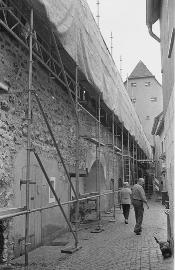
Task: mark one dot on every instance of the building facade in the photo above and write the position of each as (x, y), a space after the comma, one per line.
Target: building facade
(160, 182)
(146, 95)
(164, 11)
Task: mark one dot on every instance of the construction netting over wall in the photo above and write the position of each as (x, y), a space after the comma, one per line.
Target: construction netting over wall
(74, 25)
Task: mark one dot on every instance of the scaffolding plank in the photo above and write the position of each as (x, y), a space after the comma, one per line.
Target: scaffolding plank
(93, 140)
(71, 250)
(116, 148)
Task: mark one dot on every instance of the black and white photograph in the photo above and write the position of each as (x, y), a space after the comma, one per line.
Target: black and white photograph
(87, 134)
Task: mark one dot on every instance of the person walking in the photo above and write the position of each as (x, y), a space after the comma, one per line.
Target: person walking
(138, 198)
(125, 200)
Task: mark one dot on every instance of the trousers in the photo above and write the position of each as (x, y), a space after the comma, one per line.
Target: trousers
(126, 209)
(139, 210)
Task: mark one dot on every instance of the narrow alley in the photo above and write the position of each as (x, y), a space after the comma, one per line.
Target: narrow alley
(117, 247)
(75, 131)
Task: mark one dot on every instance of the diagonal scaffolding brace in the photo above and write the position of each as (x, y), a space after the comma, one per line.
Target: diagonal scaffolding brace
(113, 170)
(75, 106)
(64, 74)
(55, 143)
(55, 195)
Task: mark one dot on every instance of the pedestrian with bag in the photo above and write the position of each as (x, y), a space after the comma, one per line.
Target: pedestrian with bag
(138, 199)
(125, 200)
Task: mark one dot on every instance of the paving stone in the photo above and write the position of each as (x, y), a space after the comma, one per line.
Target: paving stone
(116, 248)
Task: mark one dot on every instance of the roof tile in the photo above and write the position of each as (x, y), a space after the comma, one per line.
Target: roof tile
(140, 71)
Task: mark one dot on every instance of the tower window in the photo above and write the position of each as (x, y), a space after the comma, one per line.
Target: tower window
(133, 100)
(153, 99)
(51, 196)
(162, 147)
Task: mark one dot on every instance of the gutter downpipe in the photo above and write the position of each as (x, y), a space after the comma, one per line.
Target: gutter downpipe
(149, 19)
(152, 34)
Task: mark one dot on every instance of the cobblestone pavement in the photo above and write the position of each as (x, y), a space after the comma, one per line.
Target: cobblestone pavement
(117, 247)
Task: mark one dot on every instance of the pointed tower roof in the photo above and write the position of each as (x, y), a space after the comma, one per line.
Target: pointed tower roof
(140, 71)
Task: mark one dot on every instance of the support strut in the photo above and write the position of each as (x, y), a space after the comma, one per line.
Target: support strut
(55, 143)
(57, 199)
(64, 74)
(28, 143)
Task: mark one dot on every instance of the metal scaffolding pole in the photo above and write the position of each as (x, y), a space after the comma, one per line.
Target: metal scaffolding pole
(98, 180)
(77, 159)
(113, 169)
(69, 249)
(140, 154)
(55, 143)
(64, 75)
(142, 157)
(122, 157)
(113, 144)
(75, 106)
(98, 159)
(56, 197)
(116, 131)
(129, 165)
(136, 160)
(28, 142)
(22, 211)
(133, 162)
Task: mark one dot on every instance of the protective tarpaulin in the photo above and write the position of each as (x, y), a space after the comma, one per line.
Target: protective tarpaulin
(79, 34)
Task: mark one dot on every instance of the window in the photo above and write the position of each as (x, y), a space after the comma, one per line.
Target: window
(147, 117)
(147, 83)
(133, 100)
(51, 196)
(171, 43)
(133, 84)
(162, 147)
(153, 99)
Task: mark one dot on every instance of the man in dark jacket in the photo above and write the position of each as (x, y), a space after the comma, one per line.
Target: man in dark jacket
(138, 198)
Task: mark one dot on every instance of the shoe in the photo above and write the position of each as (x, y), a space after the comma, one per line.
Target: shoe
(126, 221)
(138, 233)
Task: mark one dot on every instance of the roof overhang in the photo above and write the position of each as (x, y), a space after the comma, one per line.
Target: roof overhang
(152, 15)
(155, 124)
(156, 120)
(160, 127)
(152, 11)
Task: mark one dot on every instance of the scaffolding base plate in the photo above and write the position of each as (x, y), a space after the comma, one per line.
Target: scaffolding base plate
(112, 220)
(97, 230)
(56, 243)
(70, 250)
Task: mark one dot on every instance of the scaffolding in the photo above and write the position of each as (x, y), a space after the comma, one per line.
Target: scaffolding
(54, 65)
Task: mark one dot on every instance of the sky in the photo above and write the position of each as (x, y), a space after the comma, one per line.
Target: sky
(126, 19)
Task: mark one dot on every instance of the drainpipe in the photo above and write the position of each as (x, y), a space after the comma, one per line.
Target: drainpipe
(152, 16)
(152, 34)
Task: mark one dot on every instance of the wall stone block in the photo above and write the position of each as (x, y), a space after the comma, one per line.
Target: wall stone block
(4, 105)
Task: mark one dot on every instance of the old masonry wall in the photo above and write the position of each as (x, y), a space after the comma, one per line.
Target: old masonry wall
(13, 141)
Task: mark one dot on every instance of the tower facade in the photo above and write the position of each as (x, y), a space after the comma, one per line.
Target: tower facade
(146, 95)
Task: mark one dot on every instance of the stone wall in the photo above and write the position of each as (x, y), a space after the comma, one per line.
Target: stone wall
(14, 61)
